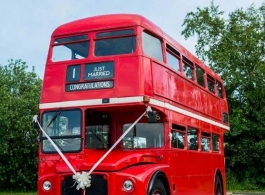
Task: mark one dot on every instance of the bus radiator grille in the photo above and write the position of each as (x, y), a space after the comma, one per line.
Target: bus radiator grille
(99, 186)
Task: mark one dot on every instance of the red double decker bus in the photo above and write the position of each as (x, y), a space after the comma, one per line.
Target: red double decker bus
(101, 75)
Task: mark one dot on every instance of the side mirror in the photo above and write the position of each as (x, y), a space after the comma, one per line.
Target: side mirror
(151, 116)
(34, 122)
(36, 125)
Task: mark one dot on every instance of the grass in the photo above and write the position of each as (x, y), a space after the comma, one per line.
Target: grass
(246, 186)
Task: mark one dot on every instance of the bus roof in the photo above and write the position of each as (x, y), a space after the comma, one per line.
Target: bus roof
(112, 21)
(103, 22)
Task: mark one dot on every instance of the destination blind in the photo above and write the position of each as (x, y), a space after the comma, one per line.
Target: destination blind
(89, 86)
(94, 71)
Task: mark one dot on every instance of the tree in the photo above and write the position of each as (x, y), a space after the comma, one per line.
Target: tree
(234, 47)
(19, 99)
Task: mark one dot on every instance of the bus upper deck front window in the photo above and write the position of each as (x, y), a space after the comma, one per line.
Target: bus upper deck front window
(69, 48)
(64, 128)
(115, 42)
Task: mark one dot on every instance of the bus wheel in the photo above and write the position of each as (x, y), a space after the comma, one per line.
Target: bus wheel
(218, 188)
(158, 188)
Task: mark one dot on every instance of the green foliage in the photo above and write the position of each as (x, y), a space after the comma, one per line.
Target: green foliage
(234, 47)
(18, 193)
(19, 99)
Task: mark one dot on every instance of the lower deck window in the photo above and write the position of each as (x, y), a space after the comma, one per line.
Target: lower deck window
(178, 140)
(178, 136)
(144, 135)
(205, 142)
(216, 142)
(192, 138)
(97, 130)
(97, 136)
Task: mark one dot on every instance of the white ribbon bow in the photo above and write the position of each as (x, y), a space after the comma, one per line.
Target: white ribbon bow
(83, 180)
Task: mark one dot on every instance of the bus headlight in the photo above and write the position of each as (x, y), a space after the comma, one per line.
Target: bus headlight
(128, 185)
(47, 185)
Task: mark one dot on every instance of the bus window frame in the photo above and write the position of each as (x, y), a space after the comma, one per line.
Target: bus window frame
(179, 129)
(218, 91)
(198, 138)
(61, 137)
(135, 134)
(206, 135)
(219, 145)
(53, 44)
(203, 75)
(169, 50)
(189, 64)
(211, 79)
(95, 38)
(162, 44)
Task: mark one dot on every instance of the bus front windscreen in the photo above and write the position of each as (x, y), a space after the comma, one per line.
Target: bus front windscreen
(64, 128)
(144, 135)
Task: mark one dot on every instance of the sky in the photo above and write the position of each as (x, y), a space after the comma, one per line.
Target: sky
(26, 26)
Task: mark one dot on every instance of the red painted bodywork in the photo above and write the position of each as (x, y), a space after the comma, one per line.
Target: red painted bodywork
(187, 172)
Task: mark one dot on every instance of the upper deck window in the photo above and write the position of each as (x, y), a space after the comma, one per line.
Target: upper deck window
(115, 33)
(173, 58)
(219, 89)
(188, 68)
(200, 76)
(115, 43)
(152, 46)
(71, 39)
(210, 82)
(69, 48)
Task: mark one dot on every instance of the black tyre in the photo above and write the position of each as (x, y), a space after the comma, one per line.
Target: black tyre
(218, 187)
(158, 188)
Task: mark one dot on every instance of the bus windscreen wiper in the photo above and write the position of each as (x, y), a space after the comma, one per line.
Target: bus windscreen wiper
(55, 116)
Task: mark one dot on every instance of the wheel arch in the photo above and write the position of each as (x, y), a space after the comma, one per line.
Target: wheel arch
(162, 177)
(219, 174)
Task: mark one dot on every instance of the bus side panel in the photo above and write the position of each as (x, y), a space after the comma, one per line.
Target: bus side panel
(178, 159)
(179, 170)
(191, 95)
(129, 77)
(147, 76)
(207, 172)
(175, 88)
(52, 83)
(211, 105)
(194, 172)
(160, 80)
